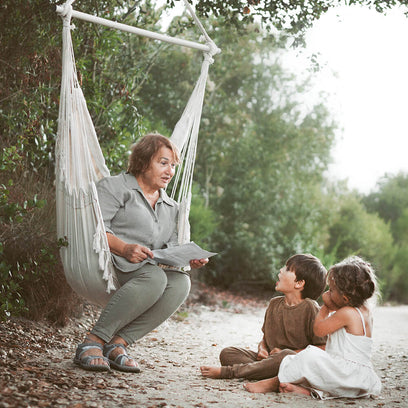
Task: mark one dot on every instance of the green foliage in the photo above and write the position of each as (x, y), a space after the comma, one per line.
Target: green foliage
(11, 300)
(29, 75)
(292, 17)
(355, 231)
(265, 160)
(261, 155)
(29, 261)
(203, 220)
(11, 212)
(396, 287)
(260, 193)
(390, 202)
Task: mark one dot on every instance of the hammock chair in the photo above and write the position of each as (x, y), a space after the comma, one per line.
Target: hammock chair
(80, 164)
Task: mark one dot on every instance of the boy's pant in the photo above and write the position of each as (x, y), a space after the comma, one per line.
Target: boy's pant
(241, 363)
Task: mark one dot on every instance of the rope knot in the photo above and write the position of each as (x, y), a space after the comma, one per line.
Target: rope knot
(65, 11)
(213, 50)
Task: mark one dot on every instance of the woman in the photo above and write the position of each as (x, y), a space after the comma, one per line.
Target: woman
(139, 217)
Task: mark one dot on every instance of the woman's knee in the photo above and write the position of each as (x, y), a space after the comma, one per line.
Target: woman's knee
(179, 284)
(157, 280)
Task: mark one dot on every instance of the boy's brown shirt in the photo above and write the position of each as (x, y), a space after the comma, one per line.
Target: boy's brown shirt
(290, 326)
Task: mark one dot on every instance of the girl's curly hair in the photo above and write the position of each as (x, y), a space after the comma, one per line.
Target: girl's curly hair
(355, 279)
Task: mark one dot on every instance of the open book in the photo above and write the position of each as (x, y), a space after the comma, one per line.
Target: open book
(181, 255)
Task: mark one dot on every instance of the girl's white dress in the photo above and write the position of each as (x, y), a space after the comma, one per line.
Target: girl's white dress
(343, 370)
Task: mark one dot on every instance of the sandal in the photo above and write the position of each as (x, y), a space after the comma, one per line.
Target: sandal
(85, 362)
(119, 361)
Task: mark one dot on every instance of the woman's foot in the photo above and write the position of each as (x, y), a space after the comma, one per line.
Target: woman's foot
(89, 355)
(289, 387)
(116, 352)
(268, 385)
(211, 372)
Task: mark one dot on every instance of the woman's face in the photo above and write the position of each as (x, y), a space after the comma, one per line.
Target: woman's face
(161, 169)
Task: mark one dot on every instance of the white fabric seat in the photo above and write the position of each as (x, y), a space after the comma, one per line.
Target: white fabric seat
(80, 164)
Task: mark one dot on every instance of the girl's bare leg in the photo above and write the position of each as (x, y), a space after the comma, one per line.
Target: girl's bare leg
(288, 387)
(210, 372)
(268, 385)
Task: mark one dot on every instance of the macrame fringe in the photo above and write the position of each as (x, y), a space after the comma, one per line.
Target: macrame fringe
(80, 164)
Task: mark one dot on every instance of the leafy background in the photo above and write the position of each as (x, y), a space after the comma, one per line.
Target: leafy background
(260, 192)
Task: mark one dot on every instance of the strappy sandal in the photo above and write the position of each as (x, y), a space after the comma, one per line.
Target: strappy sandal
(85, 362)
(119, 362)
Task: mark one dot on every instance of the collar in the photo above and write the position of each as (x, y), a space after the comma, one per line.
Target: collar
(131, 182)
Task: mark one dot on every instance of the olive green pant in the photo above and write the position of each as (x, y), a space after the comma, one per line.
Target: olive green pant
(241, 363)
(145, 299)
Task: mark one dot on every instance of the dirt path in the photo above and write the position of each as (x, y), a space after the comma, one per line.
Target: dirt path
(36, 366)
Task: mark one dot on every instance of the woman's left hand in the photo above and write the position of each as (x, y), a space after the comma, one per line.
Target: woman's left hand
(198, 263)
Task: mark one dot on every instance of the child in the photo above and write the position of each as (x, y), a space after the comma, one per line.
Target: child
(287, 327)
(344, 369)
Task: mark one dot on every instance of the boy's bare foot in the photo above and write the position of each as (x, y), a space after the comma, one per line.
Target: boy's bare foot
(288, 387)
(210, 372)
(268, 385)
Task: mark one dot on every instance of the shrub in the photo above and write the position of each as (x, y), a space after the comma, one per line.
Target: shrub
(32, 283)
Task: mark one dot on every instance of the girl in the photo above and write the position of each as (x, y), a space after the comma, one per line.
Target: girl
(344, 369)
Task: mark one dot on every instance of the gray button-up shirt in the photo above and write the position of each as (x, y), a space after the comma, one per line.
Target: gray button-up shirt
(128, 215)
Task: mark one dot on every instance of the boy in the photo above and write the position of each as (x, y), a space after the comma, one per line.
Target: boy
(287, 327)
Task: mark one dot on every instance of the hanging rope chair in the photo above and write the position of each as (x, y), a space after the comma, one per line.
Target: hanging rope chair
(80, 164)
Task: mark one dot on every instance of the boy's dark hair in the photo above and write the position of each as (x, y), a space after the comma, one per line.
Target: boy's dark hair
(308, 268)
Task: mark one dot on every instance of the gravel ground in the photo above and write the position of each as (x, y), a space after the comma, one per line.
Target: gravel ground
(36, 368)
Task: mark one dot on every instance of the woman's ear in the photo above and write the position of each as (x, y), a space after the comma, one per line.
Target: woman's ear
(346, 299)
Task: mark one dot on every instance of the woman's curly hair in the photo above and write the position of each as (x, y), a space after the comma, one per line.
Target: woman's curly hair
(355, 279)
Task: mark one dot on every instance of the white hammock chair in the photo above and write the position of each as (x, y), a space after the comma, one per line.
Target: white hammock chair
(80, 164)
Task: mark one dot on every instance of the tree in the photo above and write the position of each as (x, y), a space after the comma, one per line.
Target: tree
(390, 200)
(292, 17)
(354, 231)
(30, 74)
(390, 203)
(261, 154)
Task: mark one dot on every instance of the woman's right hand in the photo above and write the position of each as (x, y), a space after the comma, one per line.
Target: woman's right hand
(136, 253)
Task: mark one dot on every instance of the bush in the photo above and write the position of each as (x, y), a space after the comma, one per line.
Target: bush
(32, 283)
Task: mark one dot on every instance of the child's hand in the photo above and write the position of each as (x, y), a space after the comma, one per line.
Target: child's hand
(262, 353)
(327, 300)
(275, 350)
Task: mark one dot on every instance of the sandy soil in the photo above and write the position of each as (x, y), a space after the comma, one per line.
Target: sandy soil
(36, 366)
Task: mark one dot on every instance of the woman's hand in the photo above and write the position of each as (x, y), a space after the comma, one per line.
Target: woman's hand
(136, 253)
(198, 263)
